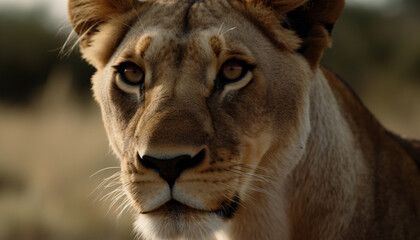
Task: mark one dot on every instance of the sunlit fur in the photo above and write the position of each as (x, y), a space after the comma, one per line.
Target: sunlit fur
(290, 140)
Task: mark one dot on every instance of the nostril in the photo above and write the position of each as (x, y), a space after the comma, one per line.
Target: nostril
(191, 162)
(171, 169)
(147, 163)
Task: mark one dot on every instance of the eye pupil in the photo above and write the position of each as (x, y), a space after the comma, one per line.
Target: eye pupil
(232, 71)
(132, 74)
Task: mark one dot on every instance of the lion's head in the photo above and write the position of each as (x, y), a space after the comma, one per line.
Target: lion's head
(204, 102)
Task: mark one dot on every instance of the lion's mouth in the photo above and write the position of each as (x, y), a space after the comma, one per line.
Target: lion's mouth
(173, 207)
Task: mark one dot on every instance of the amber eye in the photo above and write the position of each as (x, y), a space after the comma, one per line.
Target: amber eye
(130, 73)
(233, 70)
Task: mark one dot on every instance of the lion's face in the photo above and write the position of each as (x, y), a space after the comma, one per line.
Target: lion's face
(200, 102)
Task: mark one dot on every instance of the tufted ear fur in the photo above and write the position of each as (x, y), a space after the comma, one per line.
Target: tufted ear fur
(314, 22)
(311, 20)
(91, 18)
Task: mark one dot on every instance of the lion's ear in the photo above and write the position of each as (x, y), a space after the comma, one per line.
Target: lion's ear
(93, 18)
(311, 20)
(86, 15)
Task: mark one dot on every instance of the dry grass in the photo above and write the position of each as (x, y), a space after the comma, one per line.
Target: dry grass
(47, 154)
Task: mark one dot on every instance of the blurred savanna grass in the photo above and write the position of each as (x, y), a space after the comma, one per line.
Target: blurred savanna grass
(48, 154)
(52, 139)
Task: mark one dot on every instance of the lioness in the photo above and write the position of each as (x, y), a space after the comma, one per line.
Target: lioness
(227, 127)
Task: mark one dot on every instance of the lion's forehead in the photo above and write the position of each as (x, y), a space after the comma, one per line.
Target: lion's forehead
(184, 27)
(185, 15)
(159, 44)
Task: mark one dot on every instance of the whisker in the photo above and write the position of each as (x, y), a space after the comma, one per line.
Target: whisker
(113, 203)
(63, 52)
(108, 195)
(259, 190)
(252, 176)
(220, 29)
(123, 23)
(113, 177)
(102, 170)
(106, 183)
(126, 205)
(138, 16)
(251, 167)
(230, 29)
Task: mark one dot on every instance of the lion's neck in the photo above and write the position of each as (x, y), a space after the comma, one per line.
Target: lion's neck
(324, 188)
(353, 175)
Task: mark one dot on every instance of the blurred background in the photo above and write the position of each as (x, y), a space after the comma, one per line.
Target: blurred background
(51, 134)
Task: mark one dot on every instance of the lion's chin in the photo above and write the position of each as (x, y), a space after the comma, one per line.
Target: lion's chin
(177, 221)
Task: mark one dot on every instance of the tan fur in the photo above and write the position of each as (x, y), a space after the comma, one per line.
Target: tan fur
(289, 141)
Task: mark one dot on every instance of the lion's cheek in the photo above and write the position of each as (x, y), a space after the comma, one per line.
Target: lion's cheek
(146, 196)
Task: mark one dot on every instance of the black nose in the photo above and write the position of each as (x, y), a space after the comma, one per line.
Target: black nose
(171, 169)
